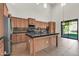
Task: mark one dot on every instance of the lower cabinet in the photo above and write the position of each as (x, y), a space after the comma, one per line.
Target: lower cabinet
(1, 47)
(17, 38)
(24, 37)
(38, 43)
(14, 38)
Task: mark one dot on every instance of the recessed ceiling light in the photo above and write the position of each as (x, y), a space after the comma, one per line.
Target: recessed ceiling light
(45, 5)
(63, 4)
(13, 3)
(37, 3)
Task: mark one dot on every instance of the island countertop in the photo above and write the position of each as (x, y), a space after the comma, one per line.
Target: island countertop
(39, 41)
(34, 35)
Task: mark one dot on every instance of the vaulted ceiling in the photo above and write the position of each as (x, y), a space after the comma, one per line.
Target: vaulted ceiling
(33, 10)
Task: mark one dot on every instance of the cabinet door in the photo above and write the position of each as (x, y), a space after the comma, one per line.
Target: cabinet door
(41, 43)
(14, 38)
(52, 26)
(14, 22)
(23, 38)
(1, 20)
(1, 9)
(22, 23)
(19, 37)
(31, 21)
(18, 23)
(25, 23)
(1, 27)
(52, 41)
(1, 48)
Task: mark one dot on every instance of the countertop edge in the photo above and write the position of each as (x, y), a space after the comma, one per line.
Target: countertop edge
(42, 35)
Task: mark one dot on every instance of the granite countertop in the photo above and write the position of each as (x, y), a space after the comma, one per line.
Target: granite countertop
(18, 32)
(34, 35)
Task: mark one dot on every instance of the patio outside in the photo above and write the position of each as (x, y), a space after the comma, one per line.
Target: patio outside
(70, 29)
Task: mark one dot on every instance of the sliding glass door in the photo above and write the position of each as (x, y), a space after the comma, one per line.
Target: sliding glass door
(69, 29)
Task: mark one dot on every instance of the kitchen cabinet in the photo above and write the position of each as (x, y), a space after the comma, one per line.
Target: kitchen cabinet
(1, 8)
(1, 47)
(14, 38)
(35, 44)
(1, 26)
(52, 27)
(24, 38)
(1, 20)
(14, 22)
(40, 24)
(18, 38)
(3, 12)
(19, 22)
(24, 23)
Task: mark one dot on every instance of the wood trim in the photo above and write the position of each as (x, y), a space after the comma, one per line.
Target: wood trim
(18, 18)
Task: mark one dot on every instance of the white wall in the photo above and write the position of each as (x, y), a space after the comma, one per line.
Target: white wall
(54, 13)
(71, 11)
(25, 10)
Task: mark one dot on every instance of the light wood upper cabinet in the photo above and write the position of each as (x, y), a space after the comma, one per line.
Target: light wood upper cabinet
(40, 24)
(1, 9)
(1, 27)
(5, 10)
(24, 23)
(52, 27)
(1, 20)
(19, 22)
(14, 22)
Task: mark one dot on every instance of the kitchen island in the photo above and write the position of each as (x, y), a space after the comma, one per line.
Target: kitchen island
(37, 42)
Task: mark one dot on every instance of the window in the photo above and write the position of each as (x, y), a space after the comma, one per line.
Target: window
(69, 29)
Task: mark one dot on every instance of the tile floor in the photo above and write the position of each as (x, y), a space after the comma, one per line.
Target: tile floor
(66, 47)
